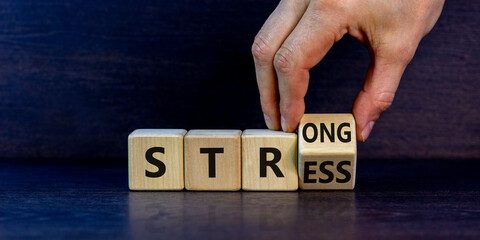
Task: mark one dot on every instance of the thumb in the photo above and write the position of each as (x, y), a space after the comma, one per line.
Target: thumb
(381, 83)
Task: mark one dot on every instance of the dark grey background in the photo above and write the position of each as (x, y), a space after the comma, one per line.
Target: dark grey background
(76, 77)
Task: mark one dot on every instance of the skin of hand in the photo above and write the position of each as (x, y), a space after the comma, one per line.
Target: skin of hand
(299, 33)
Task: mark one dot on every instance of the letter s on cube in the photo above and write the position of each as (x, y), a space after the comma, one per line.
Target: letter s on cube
(155, 159)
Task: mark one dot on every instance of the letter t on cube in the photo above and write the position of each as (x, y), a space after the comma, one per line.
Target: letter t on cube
(213, 160)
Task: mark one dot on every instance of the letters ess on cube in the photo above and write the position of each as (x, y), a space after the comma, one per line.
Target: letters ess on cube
(327, 151)
(269, 160)
(155, 159)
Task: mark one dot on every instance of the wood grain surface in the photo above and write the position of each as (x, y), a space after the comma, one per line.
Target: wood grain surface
(394, 199)
(155, 159)
(275, 147)
(213, 160)
(76, 77)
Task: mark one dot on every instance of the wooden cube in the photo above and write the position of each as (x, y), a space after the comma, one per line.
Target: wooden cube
(327, 151)
(213, 160)
(269, 160)
(155, 159)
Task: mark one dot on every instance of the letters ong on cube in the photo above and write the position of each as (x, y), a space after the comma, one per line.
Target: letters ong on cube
(323, 156)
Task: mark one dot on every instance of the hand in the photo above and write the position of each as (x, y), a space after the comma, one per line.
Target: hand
(299, 33)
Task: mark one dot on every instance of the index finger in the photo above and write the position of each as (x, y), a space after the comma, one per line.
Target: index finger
(304, 48)
(273, 33)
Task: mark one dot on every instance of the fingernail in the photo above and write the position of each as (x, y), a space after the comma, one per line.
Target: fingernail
(366, 131)
(284, 124)
(268, 121)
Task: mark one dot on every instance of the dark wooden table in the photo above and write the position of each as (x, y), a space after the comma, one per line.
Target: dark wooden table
(393, 199)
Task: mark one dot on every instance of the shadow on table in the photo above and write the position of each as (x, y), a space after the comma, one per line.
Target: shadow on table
(241, 214)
